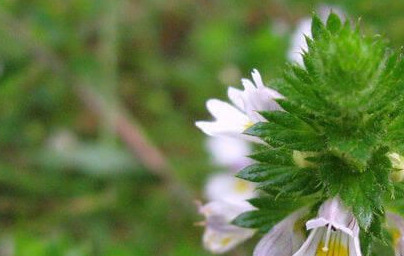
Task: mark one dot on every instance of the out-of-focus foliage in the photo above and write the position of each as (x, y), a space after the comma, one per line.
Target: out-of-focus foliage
(69, 184)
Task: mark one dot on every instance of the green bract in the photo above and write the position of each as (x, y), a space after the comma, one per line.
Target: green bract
(343, 114)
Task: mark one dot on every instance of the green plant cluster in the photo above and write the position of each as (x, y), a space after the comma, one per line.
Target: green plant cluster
(343, 115)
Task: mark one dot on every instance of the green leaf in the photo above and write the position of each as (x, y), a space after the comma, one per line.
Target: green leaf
(363, 192)
(274, 156)
(318, 29)
(275, 204)
(333, 23)
(263, 220)
(292, 183)
(355, 150)
(285, 130)
(270, 211)
(263, 172)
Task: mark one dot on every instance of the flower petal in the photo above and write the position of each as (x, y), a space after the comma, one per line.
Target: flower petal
(396, 226)
(229, 152)
(220, 242)
(228, 188)
(215, 128)
(224, 111)
(334, 232)
(234, 120)
(284, 239)
(236, 97)
(220, 236)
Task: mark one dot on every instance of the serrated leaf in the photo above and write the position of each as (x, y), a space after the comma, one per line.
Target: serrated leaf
(361, 191)
(264, 172)
(318, 29)
(355, 150)
(284, 119)
(260, 129)
(283, 129)
(333, 23)
(291, 184)
(270, 211)
(275, 204)
(299, 111)
(274, 156)
(259, 219)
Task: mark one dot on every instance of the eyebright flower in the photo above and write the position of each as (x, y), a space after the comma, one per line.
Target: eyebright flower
(334, 232)
(226, 187)
(396, 226)
(298, 43)
(227, 195)
(285, 238)
(233, 119)
(229, 152)
(220, 235)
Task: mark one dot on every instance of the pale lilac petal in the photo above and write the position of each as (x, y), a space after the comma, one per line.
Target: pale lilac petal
(236, 97)
(215, 128)
(396, 226)
(248, 85)
(309, 248)
(283, 239)
(220, 236)
(228, 188)
(335, 229)
(259, 98)
(257, 79)
(221, 242)
(298, 43)
(335, 213)
(226, 210)
(224, 111)
(229, 152)
(232, 120)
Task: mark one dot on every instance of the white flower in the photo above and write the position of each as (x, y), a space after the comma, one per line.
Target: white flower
(397, 162)
(396, 226)
(233, 119)
(298, 42)
(334, 232)
(285, 238)
(229, 152)
(227, 195)
(220, 236)
(226, 187)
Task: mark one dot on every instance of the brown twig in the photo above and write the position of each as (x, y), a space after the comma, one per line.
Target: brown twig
(128, 131)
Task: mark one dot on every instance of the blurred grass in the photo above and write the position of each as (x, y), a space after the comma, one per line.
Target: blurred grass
(69, 183)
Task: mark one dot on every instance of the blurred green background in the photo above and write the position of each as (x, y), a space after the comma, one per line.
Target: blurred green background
(99, 153)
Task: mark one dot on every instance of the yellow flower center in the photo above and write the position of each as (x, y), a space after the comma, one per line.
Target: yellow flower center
(335, 244)
(248, 125)
(241, 186)
(335, 248)
(396, 235)
(225, 241)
